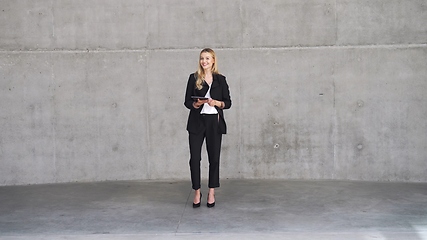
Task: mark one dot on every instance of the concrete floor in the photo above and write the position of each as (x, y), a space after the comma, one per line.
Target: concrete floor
(246, 209)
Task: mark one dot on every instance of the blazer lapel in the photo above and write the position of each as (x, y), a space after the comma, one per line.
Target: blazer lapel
(202, 92)
(215, 82)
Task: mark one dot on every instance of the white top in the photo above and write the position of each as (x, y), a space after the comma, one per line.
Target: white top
(206, 108)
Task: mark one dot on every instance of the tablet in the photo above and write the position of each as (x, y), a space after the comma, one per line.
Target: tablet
(198, 97)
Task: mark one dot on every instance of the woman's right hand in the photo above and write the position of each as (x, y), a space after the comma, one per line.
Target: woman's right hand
(200, 102)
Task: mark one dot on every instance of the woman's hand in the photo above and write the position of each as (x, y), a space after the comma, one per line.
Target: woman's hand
(200, 102)
(214, 103)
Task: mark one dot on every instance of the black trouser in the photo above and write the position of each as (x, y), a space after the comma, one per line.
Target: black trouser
(213, 146)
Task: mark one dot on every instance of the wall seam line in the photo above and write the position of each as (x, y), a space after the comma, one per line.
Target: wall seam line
(382, 46)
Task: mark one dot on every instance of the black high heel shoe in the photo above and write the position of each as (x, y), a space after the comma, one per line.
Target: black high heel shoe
(196, 205)
(210, 205)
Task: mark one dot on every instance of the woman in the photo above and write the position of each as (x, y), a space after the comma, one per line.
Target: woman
(206, 96)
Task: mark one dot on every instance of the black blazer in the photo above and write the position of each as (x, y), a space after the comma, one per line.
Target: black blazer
(219, 91)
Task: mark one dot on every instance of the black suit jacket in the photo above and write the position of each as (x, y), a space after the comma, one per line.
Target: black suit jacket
(219, 91)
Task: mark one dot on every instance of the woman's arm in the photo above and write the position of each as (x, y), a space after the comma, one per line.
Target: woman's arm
(189, 102)
(226, 99)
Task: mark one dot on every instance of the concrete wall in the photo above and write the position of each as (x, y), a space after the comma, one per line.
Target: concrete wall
(322, 89)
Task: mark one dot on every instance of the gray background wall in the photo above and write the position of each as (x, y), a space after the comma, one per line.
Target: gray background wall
(322, 89)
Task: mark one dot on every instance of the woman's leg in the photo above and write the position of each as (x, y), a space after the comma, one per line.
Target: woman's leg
(195, 142)
(211, 195)
(197, 196)
(213, 145)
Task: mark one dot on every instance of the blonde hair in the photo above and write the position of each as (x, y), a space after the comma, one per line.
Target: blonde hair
(200, 74)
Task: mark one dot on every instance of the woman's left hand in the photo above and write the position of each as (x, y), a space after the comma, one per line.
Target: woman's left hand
(212, 102)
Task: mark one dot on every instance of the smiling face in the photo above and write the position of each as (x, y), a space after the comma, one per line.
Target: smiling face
(206, 61)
